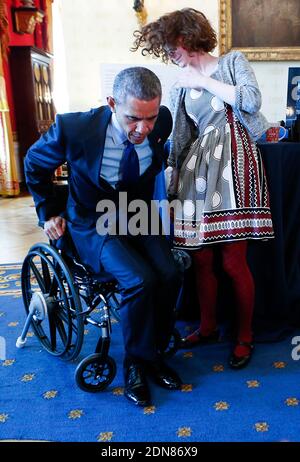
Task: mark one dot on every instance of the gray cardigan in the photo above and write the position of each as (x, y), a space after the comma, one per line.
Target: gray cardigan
(235, 70)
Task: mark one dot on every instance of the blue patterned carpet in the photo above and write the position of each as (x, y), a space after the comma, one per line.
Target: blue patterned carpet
(39, 399)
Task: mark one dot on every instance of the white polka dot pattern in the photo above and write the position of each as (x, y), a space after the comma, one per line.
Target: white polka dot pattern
(208, 129)
(204, 140)
(216, 199)
(207, 156)
(217, 104)
(201, 184)
(218, 152)
(191, 163)
(226, 174)
(195, 94)
(188, 208)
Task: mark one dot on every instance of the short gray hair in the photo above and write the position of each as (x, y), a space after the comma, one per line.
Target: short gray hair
(139, 82)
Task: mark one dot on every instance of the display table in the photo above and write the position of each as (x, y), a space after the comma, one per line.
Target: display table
(275, 264)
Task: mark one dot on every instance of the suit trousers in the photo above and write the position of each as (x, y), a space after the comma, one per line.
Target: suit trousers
(149, 281)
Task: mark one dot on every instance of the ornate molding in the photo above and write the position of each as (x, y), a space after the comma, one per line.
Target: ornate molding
(141, 11)
(251, 53)
(25, 19)
(4, 36)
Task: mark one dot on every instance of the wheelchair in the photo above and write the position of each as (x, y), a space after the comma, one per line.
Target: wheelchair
(60, 294)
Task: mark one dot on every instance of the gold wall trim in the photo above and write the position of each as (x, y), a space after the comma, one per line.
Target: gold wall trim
(251, 53)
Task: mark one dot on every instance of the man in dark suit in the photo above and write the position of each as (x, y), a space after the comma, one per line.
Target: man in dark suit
(116, 149)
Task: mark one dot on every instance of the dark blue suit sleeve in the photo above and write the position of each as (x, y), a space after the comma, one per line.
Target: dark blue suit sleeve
(41, 161)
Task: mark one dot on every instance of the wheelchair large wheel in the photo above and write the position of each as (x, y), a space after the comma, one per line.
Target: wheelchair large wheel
(95, 373)
(174, 344)
(48, 290)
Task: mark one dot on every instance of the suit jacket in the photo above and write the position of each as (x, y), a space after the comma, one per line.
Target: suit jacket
(78, 139)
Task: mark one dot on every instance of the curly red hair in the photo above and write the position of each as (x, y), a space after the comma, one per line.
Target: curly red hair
(188, 27)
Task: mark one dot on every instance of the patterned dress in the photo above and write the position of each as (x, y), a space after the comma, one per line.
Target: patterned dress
(222, 189)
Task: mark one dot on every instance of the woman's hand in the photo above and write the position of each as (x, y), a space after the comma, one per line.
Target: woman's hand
(190, 77)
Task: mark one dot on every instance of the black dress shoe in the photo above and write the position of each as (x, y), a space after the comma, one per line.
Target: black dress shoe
(136, 387)
(238, 362)
(163, 375)
(196, 338)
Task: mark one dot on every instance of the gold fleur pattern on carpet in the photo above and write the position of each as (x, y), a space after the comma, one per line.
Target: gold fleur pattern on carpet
(248, 395)
(14, 293)
(3, 418)
(184, 432)
(253, 383)
(114, 321)
(218, 368)
(75, 414)
(105, 436)
(13, 277)
(50, 394)
(221, 406)
(118, 391)
(279, 364)
(85, 332)
(27, 377)
(9, 282)
(149, 410)
(261, 427)
(292, 402)
(188, 355)
(186, 387)
(8, 362)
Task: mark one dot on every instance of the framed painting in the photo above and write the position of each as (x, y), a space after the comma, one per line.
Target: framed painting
(264, 30)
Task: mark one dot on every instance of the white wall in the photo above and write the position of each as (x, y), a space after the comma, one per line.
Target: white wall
(101, 31)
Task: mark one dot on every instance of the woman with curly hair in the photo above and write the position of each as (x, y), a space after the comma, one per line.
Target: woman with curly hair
(217, 171)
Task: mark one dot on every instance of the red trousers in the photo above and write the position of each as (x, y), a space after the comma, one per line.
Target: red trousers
(234, 261)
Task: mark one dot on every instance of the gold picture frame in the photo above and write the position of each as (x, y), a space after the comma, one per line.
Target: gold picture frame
(264, 30)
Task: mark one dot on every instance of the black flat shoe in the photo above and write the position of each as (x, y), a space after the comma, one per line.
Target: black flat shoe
(163, 375)
(136, 387)
(190, 342)
(238, 362)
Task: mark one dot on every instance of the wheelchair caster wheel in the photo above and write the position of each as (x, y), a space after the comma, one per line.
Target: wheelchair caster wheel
(95, 373)
(174, 344)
